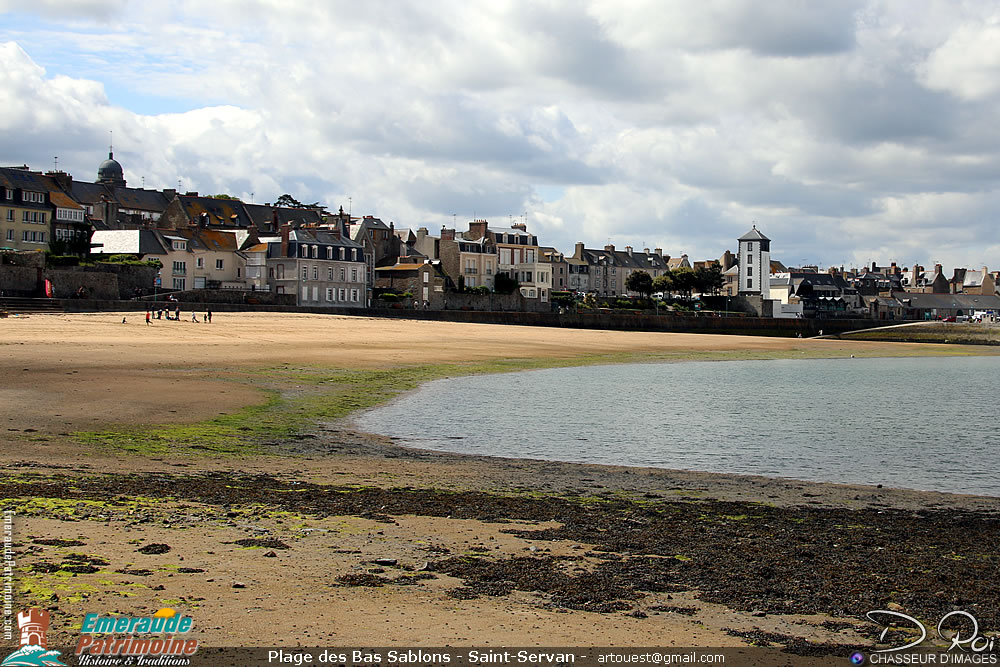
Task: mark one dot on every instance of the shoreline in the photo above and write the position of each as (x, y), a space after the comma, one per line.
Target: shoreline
(630, 556)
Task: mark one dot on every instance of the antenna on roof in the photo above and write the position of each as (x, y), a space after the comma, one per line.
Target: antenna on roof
(111, 144)
(251, 197)
(55, 166)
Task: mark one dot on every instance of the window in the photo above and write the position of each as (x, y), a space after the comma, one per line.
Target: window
(178, 283)
(238, 272)
(343, 294)
(749, 283)
(343, 275)
(25, 236)
(354, 255)
(302, 251)
(10, 234)
(341, 253)
(354, 295)
(42, 217)
(218, 264)
(329, 274)
(179, 268)
(305, 292)
(26, 217)
(427, 276)
(329, 254)
(749, 271)
(200, 263)
(750, 246)
(178, 245)
(281, 271)
(315, 252)
(10, 194)
(10, 214)
(315, 273)
(305, 273)
(354, 275)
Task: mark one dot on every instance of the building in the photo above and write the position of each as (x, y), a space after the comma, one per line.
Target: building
(322, 268)
(755, 264)
(604, 272)
(26, 209)
(470, 259)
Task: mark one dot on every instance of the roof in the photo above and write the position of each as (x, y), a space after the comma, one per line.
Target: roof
(139, 199)
(273, 217)
(218, 211)
(128, 242)
(753, 235)
(62, 200)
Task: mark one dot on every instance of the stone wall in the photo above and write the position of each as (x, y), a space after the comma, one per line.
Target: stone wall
(23, 281)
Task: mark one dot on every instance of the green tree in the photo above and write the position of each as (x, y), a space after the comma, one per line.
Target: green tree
(225, 196)
(683, 279)
(709, 280)
(504, 284)
(663, 283)
(641, 282)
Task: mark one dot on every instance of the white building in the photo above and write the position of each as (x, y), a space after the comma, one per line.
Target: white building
(755, 264)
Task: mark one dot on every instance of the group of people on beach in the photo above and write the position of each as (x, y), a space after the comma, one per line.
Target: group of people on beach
(163, 313)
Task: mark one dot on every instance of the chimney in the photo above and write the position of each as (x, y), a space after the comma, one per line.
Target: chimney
(519, 225)
(578, 251)
(628, 250)
(421, 232)
(64, 180)
(645, 251)
(938, 270)
(658, 252)
(478, 228)
(284, 239)
(609, 248)
(447, 234)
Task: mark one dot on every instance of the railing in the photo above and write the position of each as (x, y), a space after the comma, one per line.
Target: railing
(471, 271)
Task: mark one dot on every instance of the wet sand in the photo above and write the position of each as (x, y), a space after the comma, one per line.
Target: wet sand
(442, 518)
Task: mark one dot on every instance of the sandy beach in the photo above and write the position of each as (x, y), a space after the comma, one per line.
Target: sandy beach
(368, 543)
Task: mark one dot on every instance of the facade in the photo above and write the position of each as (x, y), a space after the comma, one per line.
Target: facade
(604, 272)
(755, 264)
(471, 258)
(423, 278)
(518, 257)
(26, 210)
(322, 268)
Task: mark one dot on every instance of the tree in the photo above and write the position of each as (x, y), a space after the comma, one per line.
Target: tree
(683, 279)
(641, 282)
(288, 201)
(663, 283)
(225, 196)
(710, 280)
(504, 284)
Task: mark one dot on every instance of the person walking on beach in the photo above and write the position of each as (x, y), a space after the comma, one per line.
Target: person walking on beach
(194, 316)
(149, 317)
(123, 320)
(208, 316)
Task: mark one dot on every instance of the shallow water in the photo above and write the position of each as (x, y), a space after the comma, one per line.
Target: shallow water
(919, 423)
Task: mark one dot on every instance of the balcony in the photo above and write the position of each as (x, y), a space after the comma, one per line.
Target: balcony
(469, 271)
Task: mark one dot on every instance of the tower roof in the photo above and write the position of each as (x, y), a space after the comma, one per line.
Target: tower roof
(753, 235)
(110, 170)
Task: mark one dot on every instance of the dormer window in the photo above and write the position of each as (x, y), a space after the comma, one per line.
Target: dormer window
(329, 253)
(315, 251)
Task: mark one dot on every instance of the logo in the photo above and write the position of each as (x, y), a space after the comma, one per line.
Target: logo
(124, 637)
(34, 626)
(960, 628)
(857, 658)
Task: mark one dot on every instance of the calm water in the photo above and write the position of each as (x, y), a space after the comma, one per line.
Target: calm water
(914, 423)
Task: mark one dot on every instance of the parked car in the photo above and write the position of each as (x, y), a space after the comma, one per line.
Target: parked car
(950, 318)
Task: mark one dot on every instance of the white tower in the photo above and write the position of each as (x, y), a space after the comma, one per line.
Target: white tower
(755, 264)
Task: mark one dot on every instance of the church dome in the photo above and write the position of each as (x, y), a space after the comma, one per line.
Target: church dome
(110, 170)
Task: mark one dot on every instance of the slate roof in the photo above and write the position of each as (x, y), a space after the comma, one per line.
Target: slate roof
(753, 235)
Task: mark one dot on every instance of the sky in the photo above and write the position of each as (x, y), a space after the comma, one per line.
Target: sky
(847, 131)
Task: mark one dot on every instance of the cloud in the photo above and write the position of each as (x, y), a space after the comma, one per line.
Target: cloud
(845, 130)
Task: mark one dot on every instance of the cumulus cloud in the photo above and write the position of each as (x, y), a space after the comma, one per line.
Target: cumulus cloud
(847, 131)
